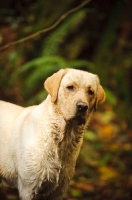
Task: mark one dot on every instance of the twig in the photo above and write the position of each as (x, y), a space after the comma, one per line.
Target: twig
(46, 29)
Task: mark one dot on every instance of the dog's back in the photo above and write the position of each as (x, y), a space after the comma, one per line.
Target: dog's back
(7, 120)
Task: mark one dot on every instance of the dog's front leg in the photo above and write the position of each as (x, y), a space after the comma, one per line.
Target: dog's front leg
(25, 192)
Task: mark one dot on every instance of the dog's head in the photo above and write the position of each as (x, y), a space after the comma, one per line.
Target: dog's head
(75, 92)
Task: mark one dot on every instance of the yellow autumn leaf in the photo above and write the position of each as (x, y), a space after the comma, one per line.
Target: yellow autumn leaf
(121, 147)
(107, 173)
(107, 131)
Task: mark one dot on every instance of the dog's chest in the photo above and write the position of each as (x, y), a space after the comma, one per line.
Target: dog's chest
(58, 146)
(59, 156)
(67, 149)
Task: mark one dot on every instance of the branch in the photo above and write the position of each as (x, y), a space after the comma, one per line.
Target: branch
(46, 29)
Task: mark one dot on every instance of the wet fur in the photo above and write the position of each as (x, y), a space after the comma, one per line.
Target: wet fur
(39, 145)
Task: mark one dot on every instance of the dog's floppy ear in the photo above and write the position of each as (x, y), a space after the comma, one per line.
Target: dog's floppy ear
(52, 84)
(100, 98)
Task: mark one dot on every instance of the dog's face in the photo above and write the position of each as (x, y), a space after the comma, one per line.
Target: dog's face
(75, 92)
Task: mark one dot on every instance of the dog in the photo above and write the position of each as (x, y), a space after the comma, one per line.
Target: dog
(39, 145)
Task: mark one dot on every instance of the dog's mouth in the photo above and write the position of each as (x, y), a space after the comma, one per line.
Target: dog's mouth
(80, 120)
(81, 117)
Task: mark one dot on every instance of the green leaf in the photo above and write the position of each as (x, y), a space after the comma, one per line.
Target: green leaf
(111, 98)
(89, 135)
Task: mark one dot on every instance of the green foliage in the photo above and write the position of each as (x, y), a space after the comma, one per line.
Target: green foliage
(111, 98)
(99, 42)
(39, 69)
(103, 55)
(113, 60)
(58, 36)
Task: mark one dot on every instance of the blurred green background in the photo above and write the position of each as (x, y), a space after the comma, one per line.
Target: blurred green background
(96, 38)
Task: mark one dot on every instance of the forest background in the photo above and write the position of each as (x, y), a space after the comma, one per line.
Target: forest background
(96, 38)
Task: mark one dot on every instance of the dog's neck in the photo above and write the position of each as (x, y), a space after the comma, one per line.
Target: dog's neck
(64, 135)
(67, 138)
(67, 135)
(60, 144)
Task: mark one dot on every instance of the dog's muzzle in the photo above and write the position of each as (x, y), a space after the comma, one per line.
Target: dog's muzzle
(81, 107)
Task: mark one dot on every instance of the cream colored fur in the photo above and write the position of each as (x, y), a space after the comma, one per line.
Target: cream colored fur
(39, 145)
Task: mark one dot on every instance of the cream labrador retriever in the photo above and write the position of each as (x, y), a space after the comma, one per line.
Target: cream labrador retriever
(39, 145)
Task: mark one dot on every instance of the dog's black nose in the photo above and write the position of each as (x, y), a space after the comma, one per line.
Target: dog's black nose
(81, 106)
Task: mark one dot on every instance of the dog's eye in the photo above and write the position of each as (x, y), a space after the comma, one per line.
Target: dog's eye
(70, 87)
(90, 92)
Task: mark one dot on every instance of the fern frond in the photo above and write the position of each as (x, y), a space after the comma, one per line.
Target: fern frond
(58, 36)
(37, 62)
(39, 69)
